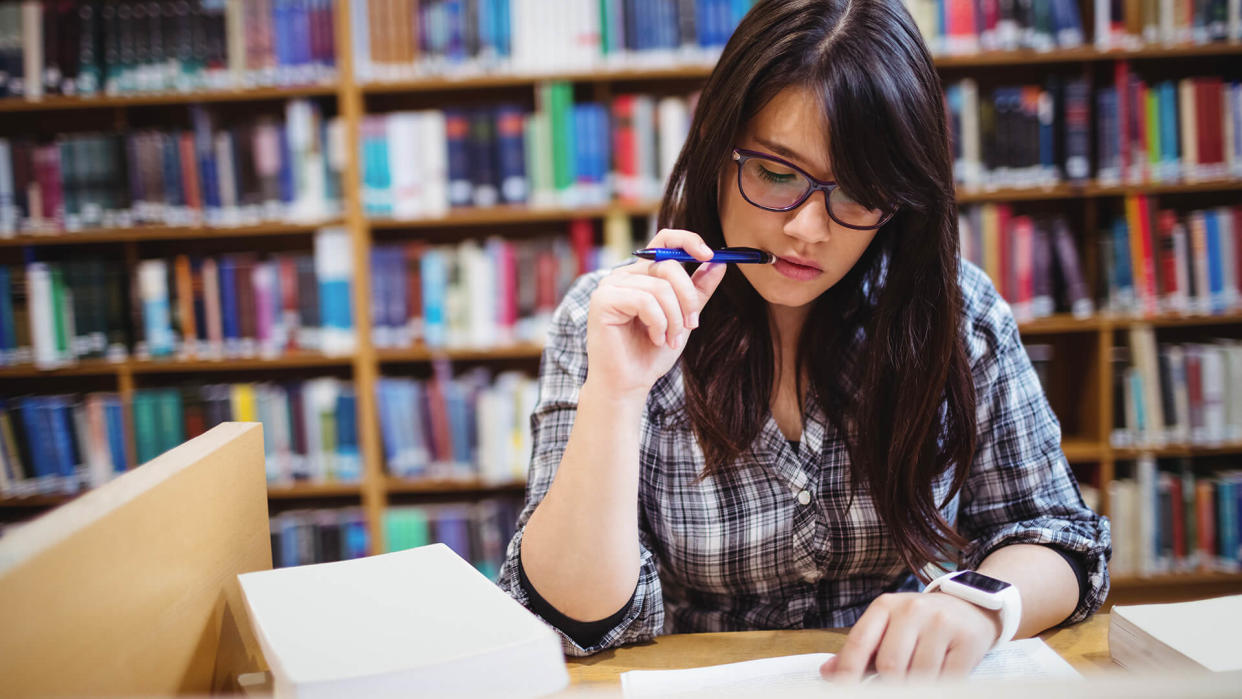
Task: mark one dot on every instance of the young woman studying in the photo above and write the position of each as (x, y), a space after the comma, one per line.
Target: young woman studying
(799, 444)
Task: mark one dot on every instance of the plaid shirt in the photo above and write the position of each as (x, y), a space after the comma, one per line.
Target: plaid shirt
(770, 543)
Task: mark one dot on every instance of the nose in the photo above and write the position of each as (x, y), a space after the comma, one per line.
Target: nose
(810, 221)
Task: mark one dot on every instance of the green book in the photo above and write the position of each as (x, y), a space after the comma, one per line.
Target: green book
(61, 311)
(405, 528)
(556, 101)
(146, 438)
(1153, 129)
(171, 419)
(327, 440)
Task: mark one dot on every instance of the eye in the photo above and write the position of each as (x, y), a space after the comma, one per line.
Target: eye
(776, 177)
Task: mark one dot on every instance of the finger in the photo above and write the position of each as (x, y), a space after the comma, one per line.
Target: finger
(962, 658)
(892, 659)
(663, 293)
(829, 667)
(862, 642)
(929, 652)
(686, 240)
(687, 294)
(622, 305)
(706, 278)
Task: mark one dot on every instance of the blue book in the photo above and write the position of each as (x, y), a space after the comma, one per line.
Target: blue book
(114, 420)
(1107, 133)
(452, 528)
(1170, 143)
(1227, 534)
(386, 407)
(205, 153)
(511, 154)
(300, 24)
(287, 193)
(174, 194)
(349, 464)
(355, 542)
(8, 330)
(26, 413)
(171, 419)
(379, 292)
(281, 32)
(59, 416)
(435, 278)
(1123, 276)
(230, 317)
(397, 298)
(1047, 155)
(289, 533)
(1216, 262)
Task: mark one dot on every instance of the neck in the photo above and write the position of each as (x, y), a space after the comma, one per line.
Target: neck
(786, 323)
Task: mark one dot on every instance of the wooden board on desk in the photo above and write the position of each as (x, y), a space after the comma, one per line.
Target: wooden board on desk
(132, 588)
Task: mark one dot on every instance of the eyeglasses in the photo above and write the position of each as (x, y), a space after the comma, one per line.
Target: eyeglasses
(773, 184)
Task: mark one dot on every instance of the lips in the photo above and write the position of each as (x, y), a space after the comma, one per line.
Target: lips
(797, 268)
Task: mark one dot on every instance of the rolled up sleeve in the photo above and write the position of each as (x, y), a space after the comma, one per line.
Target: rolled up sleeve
(1020, 488)
(563, 370)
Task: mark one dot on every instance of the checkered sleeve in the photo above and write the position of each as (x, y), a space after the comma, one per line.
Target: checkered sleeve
(563, 370)
(1020, 488)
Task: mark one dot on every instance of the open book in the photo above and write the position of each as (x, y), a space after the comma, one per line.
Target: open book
(1199, 635)
(420, 622)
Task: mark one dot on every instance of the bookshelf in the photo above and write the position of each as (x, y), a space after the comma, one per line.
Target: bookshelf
(1086, 443)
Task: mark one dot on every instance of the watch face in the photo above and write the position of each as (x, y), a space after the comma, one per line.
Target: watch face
(980, 582)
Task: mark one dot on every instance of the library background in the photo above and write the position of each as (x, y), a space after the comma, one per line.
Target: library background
(352, 219)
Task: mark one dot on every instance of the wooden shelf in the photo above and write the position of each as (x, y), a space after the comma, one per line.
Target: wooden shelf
(1082, 450)
(314, 490)
(140, 233)
(58, 103)
(1178, 450)
(423, 354)
(514, 214)
(36, 501)
(1175, 579)
(101, 367)
(1060, 323)
(699, 71)
(463, 485)
(1092, 189)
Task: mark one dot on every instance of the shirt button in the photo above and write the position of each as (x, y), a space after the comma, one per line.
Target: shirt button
(804, 498)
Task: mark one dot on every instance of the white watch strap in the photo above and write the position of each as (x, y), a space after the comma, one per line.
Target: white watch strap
(1010, 608)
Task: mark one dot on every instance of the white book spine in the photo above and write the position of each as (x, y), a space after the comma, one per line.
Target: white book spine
(1145, 548)
(1214, 394)
(1181, 394)
(230, 213)
(434, 161)
(674, 118)
(32, 48)
(1181, 256)
(972, 146)
(153, 290)
(403, 163)
(334, 270)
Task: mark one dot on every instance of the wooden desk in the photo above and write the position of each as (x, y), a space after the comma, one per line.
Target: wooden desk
(1084, 645)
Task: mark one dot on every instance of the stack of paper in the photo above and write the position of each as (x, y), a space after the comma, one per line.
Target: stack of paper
(1182, 636)
(414, 622)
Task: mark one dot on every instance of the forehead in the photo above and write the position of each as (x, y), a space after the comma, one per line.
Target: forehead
(794, 120)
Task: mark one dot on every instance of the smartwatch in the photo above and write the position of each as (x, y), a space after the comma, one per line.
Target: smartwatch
(987, 592)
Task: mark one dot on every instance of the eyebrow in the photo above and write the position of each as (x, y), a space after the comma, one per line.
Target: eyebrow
(787, 153)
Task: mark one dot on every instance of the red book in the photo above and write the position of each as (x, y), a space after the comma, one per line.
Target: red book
(189, 171)
(290, 318)
(582, 239)
(1208, 105)
(961, 35)
(545, 281)
(1179, 519)
(1121, 80)
(508, 288)
(437, 409)
(1194, 388)
(1167, 254)
(1205, 509)
(1148, 259)
(47, 173)
(1024, 257)
(1006, 284)
(623, 148)
(414, 288)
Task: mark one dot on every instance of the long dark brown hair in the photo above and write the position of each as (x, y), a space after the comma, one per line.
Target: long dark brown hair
(883, 349)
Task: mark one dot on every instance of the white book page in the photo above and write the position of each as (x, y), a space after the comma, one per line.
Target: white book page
(1028, 658)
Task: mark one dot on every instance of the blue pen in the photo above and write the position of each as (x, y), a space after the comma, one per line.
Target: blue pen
(751, 256)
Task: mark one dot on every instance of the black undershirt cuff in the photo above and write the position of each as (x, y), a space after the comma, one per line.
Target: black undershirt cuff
(1080, 572)
(584, 633)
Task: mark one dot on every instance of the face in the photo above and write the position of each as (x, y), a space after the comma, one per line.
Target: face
(813, 251)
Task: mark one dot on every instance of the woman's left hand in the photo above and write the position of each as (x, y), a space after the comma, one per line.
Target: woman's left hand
(911, 634)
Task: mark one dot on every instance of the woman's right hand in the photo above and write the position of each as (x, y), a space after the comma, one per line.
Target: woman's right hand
(642, 313)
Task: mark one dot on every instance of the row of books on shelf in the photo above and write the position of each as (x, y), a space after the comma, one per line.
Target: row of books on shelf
(1176, 393)
(1032, 136)
(1168, 519)
(266, 170)
(478, 532)
(483, 295)
(305, 536)
(965, 27)
(61, 444)
(417, 164)
(235, 305)
(89, 47)
(470, 426)
(400, 39)
(1169, 262)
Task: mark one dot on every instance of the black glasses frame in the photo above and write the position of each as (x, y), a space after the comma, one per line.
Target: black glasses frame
(741, 155)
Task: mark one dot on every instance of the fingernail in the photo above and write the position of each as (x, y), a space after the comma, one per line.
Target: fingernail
(694, 319)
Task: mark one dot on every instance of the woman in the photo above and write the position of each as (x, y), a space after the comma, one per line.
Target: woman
(798, 444)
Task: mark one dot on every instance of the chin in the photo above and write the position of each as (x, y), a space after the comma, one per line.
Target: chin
(781, 295)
